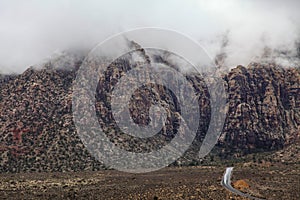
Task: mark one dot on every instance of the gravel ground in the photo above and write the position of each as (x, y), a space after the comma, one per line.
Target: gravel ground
(271, 182)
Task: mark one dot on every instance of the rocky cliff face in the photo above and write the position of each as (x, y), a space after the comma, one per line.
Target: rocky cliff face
(38, 133)
(264, 103)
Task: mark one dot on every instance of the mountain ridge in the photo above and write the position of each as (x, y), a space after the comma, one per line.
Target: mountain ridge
(38, 133)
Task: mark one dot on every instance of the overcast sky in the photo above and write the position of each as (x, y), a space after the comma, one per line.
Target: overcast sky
(32, 30)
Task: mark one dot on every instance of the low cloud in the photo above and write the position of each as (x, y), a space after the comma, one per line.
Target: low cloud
(32, 30)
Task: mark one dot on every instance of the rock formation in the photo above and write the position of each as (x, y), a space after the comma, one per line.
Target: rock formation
(38, 133)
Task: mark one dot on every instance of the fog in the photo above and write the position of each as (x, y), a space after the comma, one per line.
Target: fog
(240, 30)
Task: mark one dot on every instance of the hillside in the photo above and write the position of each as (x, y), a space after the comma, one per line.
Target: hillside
(38, 133)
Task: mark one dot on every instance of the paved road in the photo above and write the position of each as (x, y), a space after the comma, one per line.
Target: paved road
(226, 182)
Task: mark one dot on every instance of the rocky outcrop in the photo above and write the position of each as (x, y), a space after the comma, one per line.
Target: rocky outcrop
(38, 133)
(264, 103)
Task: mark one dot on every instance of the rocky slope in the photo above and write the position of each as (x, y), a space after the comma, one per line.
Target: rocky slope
(38, 133)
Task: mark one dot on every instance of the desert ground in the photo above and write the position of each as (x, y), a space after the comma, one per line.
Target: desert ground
(275, 181)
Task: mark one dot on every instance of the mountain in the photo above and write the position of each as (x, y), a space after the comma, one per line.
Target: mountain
(38, 132)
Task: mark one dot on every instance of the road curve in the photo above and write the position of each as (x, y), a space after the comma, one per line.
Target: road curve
(226, 182)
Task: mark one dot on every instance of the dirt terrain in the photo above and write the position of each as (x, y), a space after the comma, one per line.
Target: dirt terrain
(265, 181)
